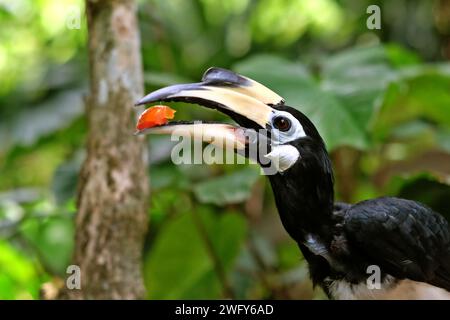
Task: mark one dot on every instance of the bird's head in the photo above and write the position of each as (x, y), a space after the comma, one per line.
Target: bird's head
(290, 138)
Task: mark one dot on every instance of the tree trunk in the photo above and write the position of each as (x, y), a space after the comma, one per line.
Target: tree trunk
(111, 221)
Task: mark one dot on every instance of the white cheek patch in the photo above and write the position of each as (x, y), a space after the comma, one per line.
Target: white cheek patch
(283, 157)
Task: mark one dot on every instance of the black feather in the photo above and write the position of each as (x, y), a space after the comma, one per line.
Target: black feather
(406, 239)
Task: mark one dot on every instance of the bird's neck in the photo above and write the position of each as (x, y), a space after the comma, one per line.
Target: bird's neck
(304, 196)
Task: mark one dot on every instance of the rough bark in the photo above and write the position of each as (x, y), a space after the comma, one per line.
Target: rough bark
(111, 221)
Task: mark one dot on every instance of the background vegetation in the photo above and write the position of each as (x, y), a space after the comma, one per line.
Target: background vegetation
(380, 98)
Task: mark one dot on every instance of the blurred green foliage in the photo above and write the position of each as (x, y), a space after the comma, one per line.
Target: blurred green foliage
(380, 99)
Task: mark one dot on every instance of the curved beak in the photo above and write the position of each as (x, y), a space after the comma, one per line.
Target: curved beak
(246, 101)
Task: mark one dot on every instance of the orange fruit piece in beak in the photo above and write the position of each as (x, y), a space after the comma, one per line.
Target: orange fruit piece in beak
(155, 116)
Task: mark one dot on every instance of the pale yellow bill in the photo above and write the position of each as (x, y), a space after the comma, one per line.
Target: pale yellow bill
(221, 135)
(232, 99)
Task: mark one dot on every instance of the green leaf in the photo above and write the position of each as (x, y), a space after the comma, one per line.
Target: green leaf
(44, 119)
(230, 188)
(400, 56)
(337, 125)
(423, 93)
(288, 255)
(179, 267)
(167, 202)
(52, 239)
(18, 275)
(167, 175)
(338, 64)
(358, 78)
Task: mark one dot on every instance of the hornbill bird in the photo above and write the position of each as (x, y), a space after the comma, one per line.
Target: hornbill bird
(406, 240)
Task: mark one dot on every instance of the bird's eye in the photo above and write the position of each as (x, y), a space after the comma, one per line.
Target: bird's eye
(282, 123)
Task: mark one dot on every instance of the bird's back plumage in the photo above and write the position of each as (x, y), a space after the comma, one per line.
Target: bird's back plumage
(405, 239)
